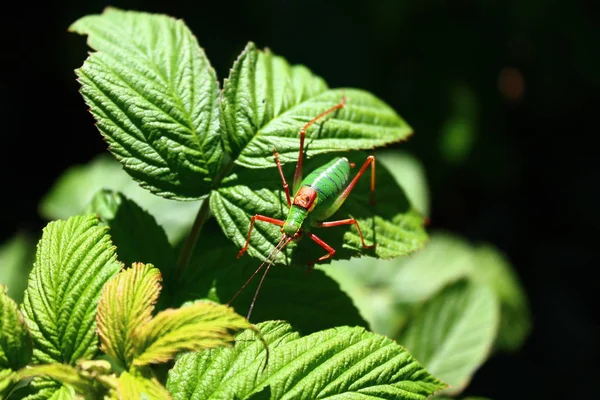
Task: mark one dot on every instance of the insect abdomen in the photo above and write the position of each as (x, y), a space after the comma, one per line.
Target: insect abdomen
(328, 181)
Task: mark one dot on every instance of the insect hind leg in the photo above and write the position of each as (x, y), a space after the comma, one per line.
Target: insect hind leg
(255, 218)
(298, 172)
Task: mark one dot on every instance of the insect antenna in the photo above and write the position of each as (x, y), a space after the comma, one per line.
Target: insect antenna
(270, 259)
(278, 248)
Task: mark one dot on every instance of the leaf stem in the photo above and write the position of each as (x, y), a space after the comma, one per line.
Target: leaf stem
(190, 242)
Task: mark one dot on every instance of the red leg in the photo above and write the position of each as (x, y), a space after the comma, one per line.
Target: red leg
(298, 173)
(258, 217)
(285, 184)
(320, 242)
(344, 195)
(349, 221)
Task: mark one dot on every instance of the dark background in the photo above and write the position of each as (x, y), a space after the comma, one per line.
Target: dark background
(528, 183)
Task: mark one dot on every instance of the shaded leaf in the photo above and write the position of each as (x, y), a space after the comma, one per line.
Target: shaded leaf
(410, 175)
(7, 378)
(385, 292)
(130, 386)
(493, 269)
(368, 281)
(199, 326)
(65, 374)
(16, 260)
(74, 190)
(341, 362)
(309, 302)
(126, 304)
(447, 258)
(15, 341)
(134, 231)
(453, 333)
(74, 259)
(44, 389)
(154, 96)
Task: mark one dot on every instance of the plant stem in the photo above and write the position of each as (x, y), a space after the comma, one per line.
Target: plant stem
(190, 242)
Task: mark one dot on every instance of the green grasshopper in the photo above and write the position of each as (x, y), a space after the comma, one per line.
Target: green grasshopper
(316, 198)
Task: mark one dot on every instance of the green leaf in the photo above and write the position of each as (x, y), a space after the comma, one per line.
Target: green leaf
(392, 223)
(493, 269)
(65, 374)
(7, 379)
(386, 291)
(260, 87)
(15, 341)
(154, 96)
(342, 362)
(75, 189)
(446, 259)
(131, 386)
(265, 104)
(199, 326)
(126, 304)
(410, 175)
(44, 389)
(74, 259)
(16, 260)
(134, 231)
(368, 282)
(454, 332)
(309, 302)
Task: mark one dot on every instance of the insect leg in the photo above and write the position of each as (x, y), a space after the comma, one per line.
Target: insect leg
(349, 221)
(285, 184)
(344, 195)
(298, 172)
(320, 242)
(258, 217)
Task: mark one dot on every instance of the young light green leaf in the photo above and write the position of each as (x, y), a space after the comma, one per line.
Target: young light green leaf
(198, 326)
(392, 223)
(16, 260)
(65, 374)
(15, 341)
(155, 99)
(126, 304)
(453, 333)
(7, 379)
(265, 104)
(342, 362)
(493, 269)
(131, 386)
(44, 389)
(74, 259)
(75, 189)
(134, 231)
